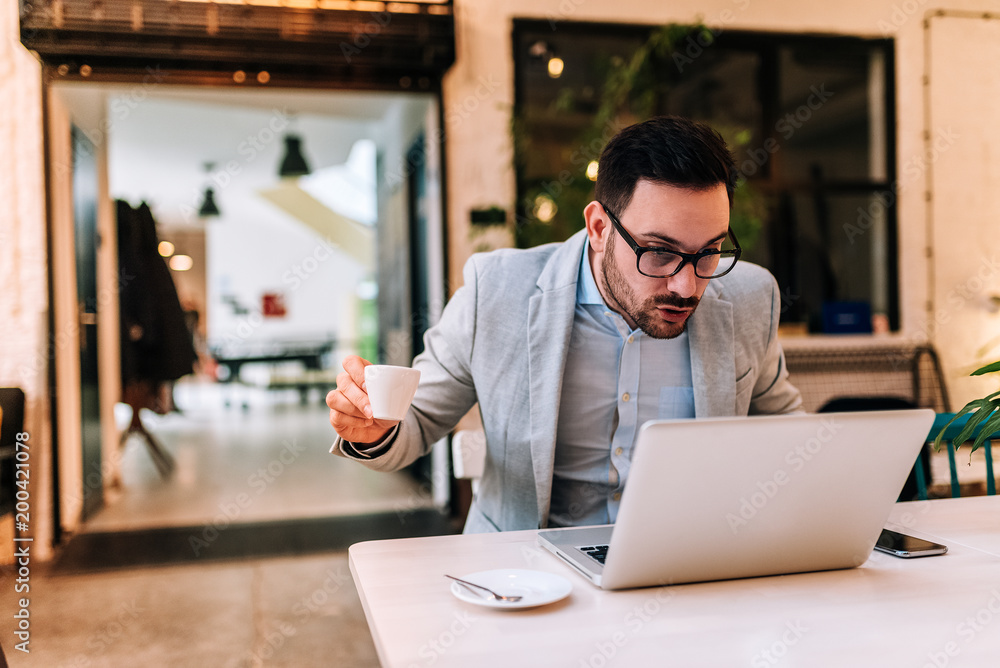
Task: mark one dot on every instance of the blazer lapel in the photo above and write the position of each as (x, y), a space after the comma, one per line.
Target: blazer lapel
(550, 324)
(713, 365)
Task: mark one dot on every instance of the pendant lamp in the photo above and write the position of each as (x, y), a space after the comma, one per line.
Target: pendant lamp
(208, 208)
(294, 163)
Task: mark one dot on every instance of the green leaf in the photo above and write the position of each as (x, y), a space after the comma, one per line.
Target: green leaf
(989, 368)
(970, 426)
(967, 408)
(989, 427)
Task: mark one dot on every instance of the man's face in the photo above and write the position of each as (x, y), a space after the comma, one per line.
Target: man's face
(666, 217)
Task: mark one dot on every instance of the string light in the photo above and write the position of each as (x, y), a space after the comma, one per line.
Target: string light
(556, 66)
(181, 262)
(545, 209)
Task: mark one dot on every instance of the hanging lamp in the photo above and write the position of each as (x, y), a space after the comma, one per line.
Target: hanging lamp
(208, 208)
(294, 163)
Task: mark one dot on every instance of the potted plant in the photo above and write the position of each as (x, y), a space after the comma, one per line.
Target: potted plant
(983, 414)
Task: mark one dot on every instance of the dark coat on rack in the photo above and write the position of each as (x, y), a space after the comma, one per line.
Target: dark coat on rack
(157, 345)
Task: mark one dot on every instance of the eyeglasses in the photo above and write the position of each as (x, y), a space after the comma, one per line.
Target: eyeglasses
(662, 263)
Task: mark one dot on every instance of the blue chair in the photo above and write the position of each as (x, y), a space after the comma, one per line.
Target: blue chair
(950, 433)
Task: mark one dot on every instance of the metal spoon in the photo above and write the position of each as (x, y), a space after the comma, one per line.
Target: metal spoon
(492, 594)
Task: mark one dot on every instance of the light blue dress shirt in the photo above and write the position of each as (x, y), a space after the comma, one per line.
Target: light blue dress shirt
(616, 379)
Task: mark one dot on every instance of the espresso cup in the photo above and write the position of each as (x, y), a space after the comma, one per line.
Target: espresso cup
(390, 390)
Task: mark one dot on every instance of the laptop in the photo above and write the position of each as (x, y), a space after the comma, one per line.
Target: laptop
(723, 498)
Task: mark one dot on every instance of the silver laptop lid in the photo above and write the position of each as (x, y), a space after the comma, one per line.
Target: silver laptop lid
(721, 498)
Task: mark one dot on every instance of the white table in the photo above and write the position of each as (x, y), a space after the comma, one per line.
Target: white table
(937, 611)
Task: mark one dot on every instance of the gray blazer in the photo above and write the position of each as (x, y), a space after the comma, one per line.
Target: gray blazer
(502, 341)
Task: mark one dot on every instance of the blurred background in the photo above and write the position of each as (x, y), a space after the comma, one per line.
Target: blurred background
(211, 203)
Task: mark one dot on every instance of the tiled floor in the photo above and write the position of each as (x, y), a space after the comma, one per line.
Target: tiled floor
(272, 462)
(297, 612)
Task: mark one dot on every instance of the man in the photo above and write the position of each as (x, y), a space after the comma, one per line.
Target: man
(570, 347)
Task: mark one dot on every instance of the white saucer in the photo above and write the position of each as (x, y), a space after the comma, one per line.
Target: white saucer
(534, 587)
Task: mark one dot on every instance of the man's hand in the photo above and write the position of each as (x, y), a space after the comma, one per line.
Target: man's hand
(350, 410)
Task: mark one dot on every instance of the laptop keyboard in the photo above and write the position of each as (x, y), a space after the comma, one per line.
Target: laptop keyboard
(598, 552)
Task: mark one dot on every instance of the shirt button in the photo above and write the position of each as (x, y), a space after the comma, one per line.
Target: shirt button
(619, 451)
(616, 496)
(631, 339)
(625, 397)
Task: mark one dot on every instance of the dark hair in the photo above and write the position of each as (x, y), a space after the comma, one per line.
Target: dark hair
(666, 149)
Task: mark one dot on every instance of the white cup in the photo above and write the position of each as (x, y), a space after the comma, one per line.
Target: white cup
(390, 390)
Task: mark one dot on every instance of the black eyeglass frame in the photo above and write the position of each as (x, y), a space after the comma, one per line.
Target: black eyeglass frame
(686, 258)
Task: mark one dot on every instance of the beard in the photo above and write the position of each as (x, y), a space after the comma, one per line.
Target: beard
(644, 314)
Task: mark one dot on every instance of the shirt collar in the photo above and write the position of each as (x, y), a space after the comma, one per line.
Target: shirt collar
(586, 286)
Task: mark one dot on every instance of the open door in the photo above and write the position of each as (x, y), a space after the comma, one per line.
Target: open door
(86, 242)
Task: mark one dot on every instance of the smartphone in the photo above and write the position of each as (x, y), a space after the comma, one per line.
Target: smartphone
(908, 547)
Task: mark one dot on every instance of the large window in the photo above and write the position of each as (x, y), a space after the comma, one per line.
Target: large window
(808, 118)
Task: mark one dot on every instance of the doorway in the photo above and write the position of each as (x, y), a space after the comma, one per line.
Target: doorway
(280, 280)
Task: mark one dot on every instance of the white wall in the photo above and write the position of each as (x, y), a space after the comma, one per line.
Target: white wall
(254, 247)
(964, 218)
(24, 345)
(479, 95)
